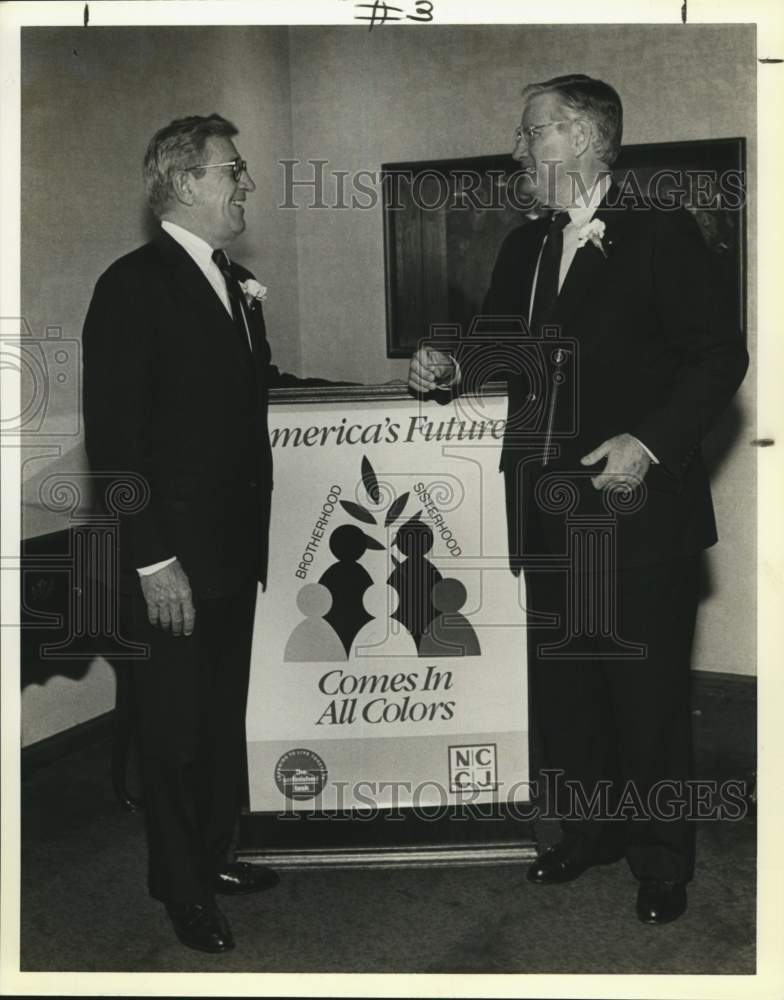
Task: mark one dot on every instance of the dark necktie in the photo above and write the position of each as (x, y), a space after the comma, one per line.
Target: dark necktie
(549, 268)
(236, 296)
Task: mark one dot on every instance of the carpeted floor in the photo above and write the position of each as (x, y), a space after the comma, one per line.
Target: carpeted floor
(85, 908)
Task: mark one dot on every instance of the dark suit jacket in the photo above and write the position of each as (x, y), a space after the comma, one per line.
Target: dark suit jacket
(658, 354)
(172, 394)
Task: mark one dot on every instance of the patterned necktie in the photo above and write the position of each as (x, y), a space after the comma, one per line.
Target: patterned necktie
(549, 270)
(236, 296)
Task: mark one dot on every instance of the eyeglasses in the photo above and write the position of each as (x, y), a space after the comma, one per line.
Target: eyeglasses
(238, 167)
(530, 132)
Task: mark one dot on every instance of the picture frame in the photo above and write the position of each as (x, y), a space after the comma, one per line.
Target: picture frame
(445, 221)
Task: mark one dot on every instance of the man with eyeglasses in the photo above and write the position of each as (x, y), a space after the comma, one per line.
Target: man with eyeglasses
(176, 377)
(653, 355)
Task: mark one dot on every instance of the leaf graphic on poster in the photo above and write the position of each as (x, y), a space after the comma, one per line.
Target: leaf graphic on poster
(396, 509)
(370, 481)
(358, 512)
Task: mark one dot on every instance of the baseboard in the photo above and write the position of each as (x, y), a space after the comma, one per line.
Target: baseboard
(46, 751)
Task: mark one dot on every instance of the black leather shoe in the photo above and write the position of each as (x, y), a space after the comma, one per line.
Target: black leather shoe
(239, 877)
(200, 926)
(660, 902)
(558, 865)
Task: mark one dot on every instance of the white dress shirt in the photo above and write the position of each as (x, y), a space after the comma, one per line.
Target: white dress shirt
(201, 253)
(579, 216)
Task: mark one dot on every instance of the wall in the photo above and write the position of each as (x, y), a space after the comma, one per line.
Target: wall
(357, 99)
(62, 703)
(91, 101)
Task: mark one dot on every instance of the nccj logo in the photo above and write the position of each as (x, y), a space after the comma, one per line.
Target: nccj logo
(300, 774)
(473, 768)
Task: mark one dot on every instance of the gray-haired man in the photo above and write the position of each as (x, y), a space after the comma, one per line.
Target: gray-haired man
(653, 356)
(177, 373)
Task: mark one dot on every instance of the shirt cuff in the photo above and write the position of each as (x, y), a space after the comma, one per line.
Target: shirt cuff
(647, 450)
(154, 567)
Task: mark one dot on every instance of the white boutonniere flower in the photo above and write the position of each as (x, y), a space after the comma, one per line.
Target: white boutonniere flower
(592, 232)
(254, 292)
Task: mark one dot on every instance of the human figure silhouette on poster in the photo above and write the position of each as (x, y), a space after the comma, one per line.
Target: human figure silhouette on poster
(414, 578)
(314, 638)
(376, 638)
(347, 582)
(450, 633)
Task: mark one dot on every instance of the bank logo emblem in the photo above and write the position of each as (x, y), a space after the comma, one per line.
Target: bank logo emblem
(473, 768)
(300, 774)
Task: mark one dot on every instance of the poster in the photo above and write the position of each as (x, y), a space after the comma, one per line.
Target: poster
(388, 665)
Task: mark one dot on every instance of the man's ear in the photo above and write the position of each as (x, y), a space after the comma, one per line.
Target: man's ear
(182, 182)
(582, 135)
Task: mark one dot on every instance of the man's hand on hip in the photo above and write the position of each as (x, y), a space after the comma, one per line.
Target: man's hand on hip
(169, 600)
(430, 369)
(627, 462)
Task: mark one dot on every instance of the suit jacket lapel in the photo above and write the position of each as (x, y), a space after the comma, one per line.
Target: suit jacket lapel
(258, 334)
(588, 271)
(255, 319)
(198, 296)
(528, 265)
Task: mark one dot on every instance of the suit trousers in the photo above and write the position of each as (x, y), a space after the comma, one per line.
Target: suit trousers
(610, 695)
(190, 699)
